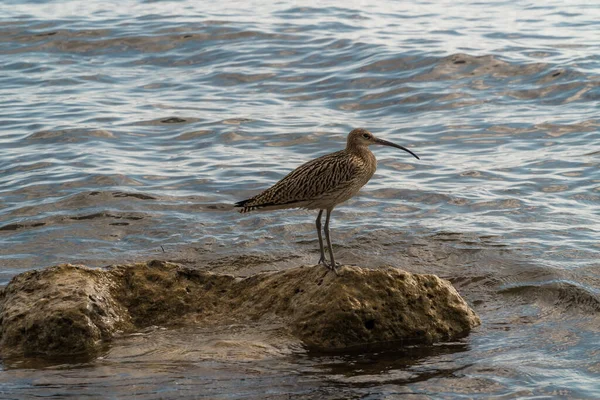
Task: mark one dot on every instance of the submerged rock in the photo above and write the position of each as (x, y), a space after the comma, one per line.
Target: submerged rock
(68, 309)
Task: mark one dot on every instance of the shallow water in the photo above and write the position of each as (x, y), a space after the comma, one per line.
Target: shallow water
(129, 128)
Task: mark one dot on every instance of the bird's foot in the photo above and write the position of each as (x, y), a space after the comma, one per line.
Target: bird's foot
(330, 266)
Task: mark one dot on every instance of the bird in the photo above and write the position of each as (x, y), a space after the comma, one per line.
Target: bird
(323, 183)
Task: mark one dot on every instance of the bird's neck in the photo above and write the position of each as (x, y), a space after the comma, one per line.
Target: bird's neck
(363, 153)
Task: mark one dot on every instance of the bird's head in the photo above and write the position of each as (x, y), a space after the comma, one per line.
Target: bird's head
(361, 138)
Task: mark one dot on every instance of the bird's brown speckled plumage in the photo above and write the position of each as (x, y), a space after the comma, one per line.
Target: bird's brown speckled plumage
(324, 182)
(320, 184)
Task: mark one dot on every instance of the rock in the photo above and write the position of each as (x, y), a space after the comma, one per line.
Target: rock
(68, 310)
(58, 311)
(360, 306)
(161, 293)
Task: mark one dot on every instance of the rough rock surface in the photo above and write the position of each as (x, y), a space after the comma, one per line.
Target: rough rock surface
(66, 309)
(58, 311)
(360, 306)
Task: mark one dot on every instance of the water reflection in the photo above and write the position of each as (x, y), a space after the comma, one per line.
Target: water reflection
(389, 364)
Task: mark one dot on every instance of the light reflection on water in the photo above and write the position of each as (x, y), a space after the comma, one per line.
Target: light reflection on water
(127, 126)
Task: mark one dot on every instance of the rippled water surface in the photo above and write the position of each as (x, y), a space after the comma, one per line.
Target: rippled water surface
(129, 128)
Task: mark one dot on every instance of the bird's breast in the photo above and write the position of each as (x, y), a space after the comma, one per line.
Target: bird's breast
(367, 165)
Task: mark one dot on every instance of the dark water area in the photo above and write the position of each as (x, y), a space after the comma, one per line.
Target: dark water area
(128, 130)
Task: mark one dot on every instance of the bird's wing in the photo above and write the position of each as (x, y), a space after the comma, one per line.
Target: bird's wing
(310, 181)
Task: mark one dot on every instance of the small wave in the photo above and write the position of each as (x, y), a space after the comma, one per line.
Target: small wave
(558, 293)
(14, 227)
(168, 120)
(71, 135)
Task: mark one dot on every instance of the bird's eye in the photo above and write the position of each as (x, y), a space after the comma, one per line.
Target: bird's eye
(366, 136)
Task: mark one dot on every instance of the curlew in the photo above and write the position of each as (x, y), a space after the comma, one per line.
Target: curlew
(323, 183)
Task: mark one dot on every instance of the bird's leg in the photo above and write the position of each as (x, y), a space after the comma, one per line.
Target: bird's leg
(333, 263)
(322, 259)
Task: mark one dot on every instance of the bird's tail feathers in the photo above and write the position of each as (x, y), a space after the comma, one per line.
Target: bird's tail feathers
(245, 208)
(246, 205)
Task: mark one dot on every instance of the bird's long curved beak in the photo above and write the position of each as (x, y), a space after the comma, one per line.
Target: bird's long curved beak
(386, 143)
